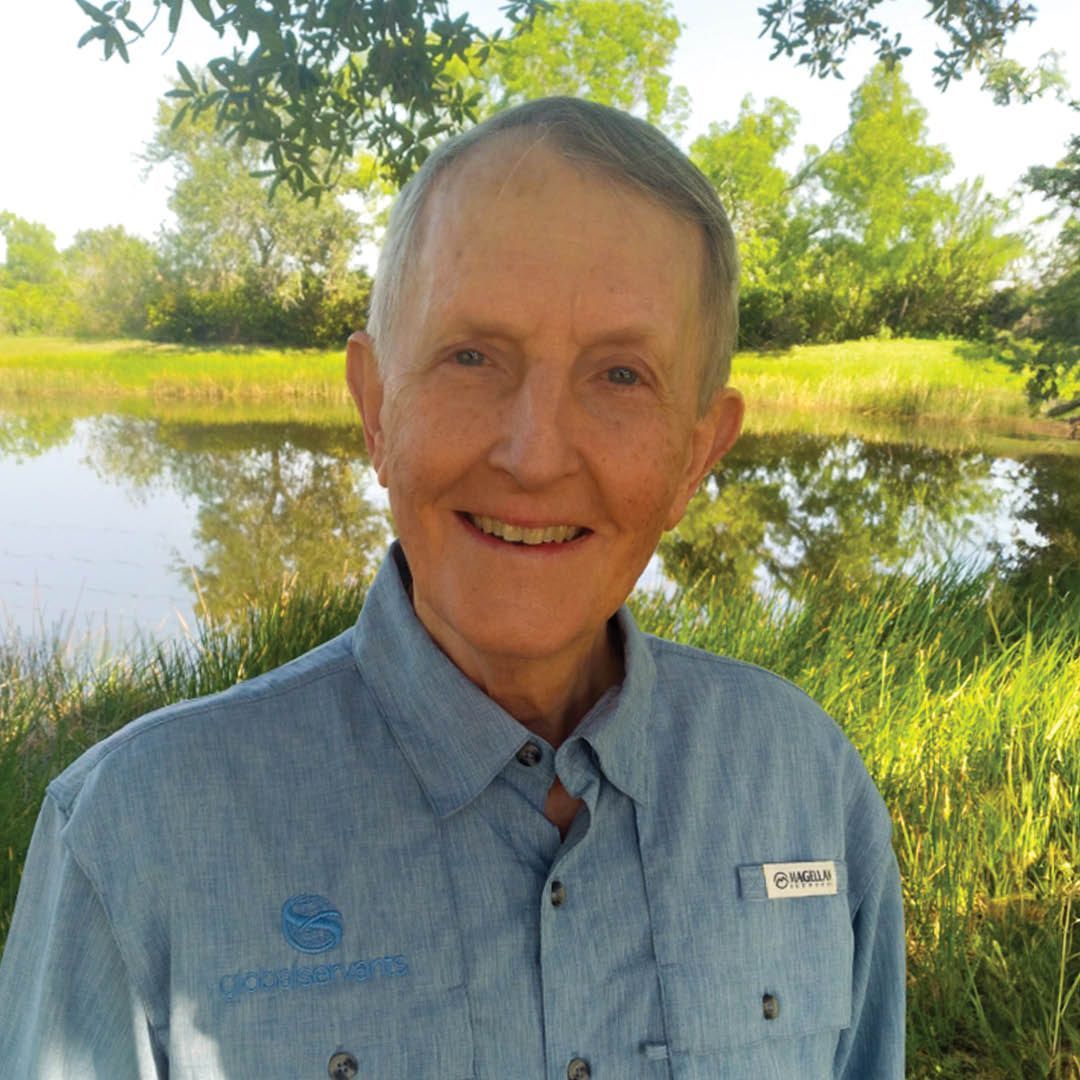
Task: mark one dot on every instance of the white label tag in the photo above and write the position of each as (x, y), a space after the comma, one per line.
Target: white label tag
(788, 880)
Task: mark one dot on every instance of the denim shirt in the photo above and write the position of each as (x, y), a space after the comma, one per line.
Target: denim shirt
(343, 868)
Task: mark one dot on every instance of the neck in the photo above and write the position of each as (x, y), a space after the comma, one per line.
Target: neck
(549, 695)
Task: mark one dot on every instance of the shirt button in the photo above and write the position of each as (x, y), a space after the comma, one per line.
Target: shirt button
(530, 755)
(558, 898)
(342, 1066)
(770, 1007)
(578, 1069)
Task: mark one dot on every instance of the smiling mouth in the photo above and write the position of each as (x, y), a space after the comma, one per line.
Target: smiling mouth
(517, 534)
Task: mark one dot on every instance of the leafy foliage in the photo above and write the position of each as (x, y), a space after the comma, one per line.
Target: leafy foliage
(862, 238)
(33, 290)
(311, 80)
(818, 33)
(1060, 182)
(615, 52)
(1043, 339)
(114, 279)
(241, 265)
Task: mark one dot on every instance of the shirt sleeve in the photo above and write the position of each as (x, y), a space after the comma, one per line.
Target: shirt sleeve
(67, 1005)
(874, 1043)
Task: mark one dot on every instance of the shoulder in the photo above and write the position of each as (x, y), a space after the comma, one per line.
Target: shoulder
(743, 695)
(173, 743)
(763, 736)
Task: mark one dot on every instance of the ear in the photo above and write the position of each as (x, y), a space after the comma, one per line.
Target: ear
(366, 386)
(713, 436)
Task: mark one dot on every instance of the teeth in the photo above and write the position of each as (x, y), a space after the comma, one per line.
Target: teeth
(514, 534)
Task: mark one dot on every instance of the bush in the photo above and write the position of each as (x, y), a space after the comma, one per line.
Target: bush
(308, 312)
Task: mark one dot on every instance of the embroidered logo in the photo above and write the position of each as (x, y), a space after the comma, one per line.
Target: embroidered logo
(311, 923)
(785, 880)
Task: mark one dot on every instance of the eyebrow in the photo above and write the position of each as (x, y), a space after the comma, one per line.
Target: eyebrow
(499, 329)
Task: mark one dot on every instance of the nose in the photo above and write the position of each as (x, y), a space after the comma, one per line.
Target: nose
(536, 441)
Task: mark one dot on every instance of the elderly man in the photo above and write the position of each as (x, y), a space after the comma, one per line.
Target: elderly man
(494, 831)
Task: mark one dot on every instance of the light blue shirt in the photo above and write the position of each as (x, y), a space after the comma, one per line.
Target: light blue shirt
(343, 868)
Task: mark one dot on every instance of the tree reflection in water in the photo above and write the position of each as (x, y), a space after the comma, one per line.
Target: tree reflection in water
(782, 506)
(277, 502)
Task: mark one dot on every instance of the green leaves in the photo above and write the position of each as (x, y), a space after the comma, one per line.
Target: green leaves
(346, 74)
(819, 33)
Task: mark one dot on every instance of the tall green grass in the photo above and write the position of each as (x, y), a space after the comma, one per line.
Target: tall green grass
(963, 698)
(905, 378)
(42, 367)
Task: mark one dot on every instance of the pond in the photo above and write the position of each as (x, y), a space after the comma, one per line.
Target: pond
(119, 524)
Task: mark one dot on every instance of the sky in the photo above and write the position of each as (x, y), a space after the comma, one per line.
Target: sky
(72, 126)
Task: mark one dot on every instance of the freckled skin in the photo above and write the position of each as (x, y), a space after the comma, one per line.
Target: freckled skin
(546, 373)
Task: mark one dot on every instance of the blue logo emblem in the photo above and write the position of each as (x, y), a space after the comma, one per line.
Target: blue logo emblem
(311, 923)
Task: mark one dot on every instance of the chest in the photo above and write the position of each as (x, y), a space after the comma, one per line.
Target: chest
(480, 946)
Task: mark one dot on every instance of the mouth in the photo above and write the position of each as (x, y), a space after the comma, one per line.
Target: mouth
(530, 536)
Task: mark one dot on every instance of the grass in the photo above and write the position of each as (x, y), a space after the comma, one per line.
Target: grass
(45, 367)
(903, 379)
(912, 379)
(963, 698)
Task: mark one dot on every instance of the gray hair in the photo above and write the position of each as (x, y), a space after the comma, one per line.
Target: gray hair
(627, 150)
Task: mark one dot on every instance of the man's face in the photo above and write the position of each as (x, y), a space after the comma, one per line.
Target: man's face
(535, 420)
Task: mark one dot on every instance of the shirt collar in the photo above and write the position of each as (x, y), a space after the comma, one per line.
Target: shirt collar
(617, 727)
(457, 739)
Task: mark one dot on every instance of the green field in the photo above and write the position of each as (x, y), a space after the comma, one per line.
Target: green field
(898, 378)
(963, 699)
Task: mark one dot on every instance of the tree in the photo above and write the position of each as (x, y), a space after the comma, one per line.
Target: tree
(114, 278)
(1053, 362)
(33, 290)
(910, 254)
(863, 236)
(742, 162)
(615, 52)
(311, 80)
(1061, 182)
(242, 265)
(338, 75)
(882, 178)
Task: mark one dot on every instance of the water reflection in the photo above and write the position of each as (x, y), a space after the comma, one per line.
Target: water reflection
(786, 504)
(276, 501)
(270, 499)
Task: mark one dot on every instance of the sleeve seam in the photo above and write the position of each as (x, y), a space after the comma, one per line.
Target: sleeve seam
(99, 895)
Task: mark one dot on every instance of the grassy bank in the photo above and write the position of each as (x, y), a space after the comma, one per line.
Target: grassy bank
(60, 368)
(905, 379)
(964, 702)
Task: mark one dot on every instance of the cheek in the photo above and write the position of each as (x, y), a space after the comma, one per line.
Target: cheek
(646, 488)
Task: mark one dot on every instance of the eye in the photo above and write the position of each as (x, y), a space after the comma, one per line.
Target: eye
(622, 376)
(469, 358)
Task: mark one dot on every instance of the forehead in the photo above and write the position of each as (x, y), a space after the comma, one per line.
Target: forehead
(514, 209)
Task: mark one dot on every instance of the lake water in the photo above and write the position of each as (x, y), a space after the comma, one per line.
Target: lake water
(117, 524)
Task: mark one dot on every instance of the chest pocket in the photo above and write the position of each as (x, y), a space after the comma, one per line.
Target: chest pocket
(762, 988)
